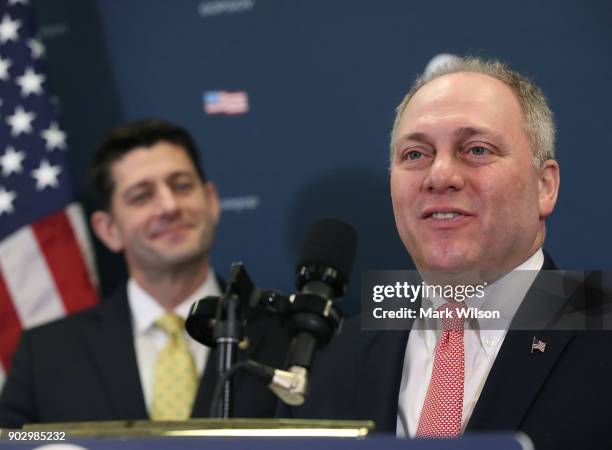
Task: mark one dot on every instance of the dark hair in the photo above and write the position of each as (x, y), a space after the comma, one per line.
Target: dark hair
(126, 137)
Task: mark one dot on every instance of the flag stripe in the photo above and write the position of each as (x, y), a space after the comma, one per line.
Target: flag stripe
(10, 328)
(225, 111)
(2, 376)
(28, 279)
(226, 107)
(76, 216)
(63, 256)
(221, 110)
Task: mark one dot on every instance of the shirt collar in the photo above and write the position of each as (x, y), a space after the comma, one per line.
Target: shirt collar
(146, 309)
(504, 295)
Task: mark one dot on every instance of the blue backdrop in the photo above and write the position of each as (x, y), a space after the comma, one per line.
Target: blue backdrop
(322, 80)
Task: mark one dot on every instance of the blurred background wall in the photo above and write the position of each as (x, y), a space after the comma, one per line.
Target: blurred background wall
(322, 79)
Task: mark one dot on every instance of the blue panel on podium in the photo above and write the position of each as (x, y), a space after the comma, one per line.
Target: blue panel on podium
(496, 441)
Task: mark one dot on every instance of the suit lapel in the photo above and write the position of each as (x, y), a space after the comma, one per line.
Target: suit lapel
(208, 380)
(379, 373)
(379, 376)
(504, 404)
(110, 340)
(203, 400)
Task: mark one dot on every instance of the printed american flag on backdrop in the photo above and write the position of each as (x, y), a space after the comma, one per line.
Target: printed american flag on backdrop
(223, 102)
(46, 260)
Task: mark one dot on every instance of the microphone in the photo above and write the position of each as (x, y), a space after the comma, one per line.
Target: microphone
(327, 257)
(322, 275)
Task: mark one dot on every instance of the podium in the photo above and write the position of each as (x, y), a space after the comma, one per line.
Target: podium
(239, 434)
(212, 428)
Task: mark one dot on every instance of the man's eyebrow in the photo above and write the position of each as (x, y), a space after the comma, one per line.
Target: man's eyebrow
(170, 176)
(467, 132)
(416, 136)
(460, 133)
(181, 173)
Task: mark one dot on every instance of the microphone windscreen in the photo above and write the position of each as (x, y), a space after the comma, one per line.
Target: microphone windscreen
(330, 243)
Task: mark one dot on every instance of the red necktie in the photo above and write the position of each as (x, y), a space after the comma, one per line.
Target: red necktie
(443, 406)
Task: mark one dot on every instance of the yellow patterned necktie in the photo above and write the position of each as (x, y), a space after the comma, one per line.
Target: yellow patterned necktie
(175, 382)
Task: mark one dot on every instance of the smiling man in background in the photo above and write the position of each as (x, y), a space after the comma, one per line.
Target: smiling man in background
(130, 357)
(473, 178)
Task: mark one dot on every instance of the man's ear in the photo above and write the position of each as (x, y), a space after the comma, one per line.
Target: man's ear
(106, 229)
(548, 186)
(213, 200)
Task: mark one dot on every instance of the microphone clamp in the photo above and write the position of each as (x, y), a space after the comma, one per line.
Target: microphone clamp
(291, 386)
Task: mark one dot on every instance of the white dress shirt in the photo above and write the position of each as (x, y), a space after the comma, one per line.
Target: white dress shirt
(149, 339)
(481, 346)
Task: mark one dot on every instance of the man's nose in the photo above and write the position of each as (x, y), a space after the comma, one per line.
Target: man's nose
(444, 174)
(167, 203)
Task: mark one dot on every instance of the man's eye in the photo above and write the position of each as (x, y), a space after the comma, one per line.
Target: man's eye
(183, 186)
(139, 198)
(413, 155)
(479, 151)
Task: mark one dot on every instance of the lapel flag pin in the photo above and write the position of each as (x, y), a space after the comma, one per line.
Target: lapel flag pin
(538, 345)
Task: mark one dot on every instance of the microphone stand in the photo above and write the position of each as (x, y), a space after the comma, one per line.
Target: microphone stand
(311, 320)
(228, 331)
(227, 336)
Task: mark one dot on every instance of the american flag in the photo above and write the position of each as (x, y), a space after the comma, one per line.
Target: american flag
(538, 345)
(222, 102)
(46, 259)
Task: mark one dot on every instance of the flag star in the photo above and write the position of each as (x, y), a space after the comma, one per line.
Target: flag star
(46, 175)
(20, 121)
(14, 2)
(30, 82)
(54, 137)
(6, 201)
(4, 67)
(8, 29)
(11, 161)
(36, 47)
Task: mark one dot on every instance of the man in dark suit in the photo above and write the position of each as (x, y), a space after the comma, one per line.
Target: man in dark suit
(473, 178)
(130, 357)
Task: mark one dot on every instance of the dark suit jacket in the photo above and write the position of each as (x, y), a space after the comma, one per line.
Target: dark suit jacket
(83, 367)
(560, 398)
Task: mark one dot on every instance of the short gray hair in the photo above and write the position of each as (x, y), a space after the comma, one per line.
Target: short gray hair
(538, 120)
